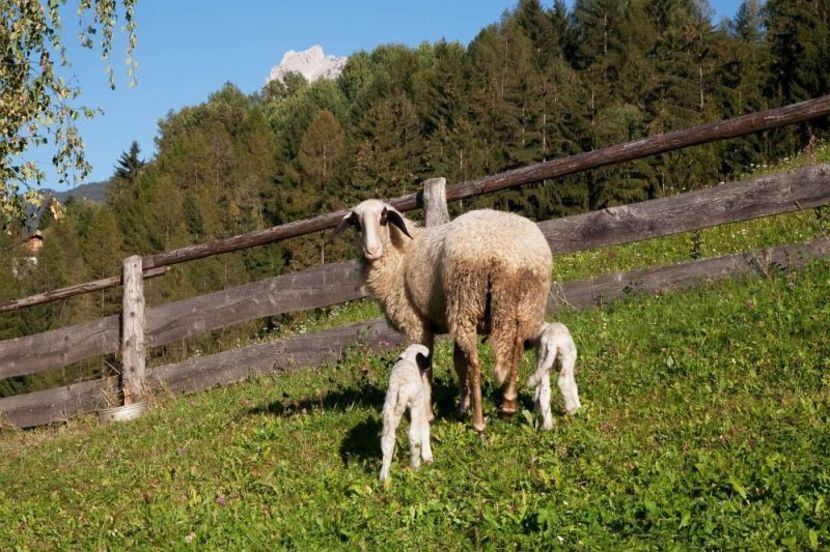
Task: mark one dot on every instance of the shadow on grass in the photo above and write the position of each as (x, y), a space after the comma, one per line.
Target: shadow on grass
(363, 395)
(362, 442)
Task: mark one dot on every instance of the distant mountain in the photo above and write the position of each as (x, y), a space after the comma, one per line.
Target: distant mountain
(313, 64)
(95, 192)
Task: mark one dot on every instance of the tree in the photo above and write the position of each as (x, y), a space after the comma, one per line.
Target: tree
(799, 39)
(321, 149)
(38, 107)
(129, 164)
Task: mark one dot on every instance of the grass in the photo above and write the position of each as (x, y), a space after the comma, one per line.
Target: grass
(705, 425)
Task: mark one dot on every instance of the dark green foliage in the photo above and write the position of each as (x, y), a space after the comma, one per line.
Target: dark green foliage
(129, 164)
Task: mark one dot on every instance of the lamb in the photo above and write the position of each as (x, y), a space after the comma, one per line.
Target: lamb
(554, 344)
(484, 272)
(406, 389)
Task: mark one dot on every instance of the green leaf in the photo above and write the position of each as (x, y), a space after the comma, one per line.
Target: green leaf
(737, 487)
(812, 535)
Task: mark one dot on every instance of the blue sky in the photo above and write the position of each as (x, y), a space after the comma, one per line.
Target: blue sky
(190, 48)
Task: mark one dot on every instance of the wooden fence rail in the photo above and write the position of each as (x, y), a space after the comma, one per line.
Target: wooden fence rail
(313, 350)
(340, 282)
(730, 128)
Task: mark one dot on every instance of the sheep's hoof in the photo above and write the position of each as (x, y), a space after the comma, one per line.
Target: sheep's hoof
(479, 427)
(508, 410)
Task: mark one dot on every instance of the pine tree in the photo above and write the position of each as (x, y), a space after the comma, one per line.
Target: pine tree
(799, 40)
(129, 164)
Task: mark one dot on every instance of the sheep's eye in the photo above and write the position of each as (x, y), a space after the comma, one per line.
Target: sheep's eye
(384, 218)
(356, 222)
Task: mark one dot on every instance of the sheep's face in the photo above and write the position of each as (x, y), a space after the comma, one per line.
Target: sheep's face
(371, 219)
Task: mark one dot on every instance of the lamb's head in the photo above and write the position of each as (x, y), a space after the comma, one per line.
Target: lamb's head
(418, 354)
(374, 234)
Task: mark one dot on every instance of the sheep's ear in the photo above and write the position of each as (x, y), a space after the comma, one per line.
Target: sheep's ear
(347, 221)
(392, 215)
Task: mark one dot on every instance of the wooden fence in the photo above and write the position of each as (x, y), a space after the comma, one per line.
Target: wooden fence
(139, 328)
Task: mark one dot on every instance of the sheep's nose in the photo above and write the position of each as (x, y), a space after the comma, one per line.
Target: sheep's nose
(373, 250)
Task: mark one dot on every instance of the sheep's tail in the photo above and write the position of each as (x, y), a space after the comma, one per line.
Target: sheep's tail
(518, 302)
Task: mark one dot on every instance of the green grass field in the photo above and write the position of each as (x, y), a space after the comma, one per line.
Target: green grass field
(705, 425)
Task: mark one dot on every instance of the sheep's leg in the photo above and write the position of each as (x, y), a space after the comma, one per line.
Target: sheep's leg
(566, 380)
(465, 338)
(459, 362)
(393, 410)
(507, 350)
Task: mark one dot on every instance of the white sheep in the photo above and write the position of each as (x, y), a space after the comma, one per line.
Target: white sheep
(484, 272)
(554, 344)
(406, 390)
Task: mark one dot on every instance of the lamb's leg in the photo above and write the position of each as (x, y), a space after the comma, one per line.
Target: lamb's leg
(540, 380)
(419, 432)
(428, 340)
(393, 410)
(459, 362)
(566, 380)
(543, 398)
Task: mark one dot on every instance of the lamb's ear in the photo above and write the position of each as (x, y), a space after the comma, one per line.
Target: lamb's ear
(392, 215)
(345, 223)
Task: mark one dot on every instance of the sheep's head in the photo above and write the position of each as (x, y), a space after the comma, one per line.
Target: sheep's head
(371, 219)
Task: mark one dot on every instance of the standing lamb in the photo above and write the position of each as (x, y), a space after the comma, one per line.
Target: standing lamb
(485, 272)
(406, 389)
(554, 344)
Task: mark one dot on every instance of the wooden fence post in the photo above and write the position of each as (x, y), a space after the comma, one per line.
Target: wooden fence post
(132, 331)
(435, 202)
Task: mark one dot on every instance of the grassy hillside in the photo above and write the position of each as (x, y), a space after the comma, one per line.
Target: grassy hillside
(705, 424)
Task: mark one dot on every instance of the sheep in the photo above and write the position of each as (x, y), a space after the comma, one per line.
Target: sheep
(484, 272)
(406, 389)
(554, 344)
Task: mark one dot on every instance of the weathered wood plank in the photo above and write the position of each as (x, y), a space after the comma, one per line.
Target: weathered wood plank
(328, 346)
(133, 322)
(589, 293)
(58, 404)
(71, 291)
(731, 202)
(310, 289)
(34, 353)
(340, 282)
(312, 350)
